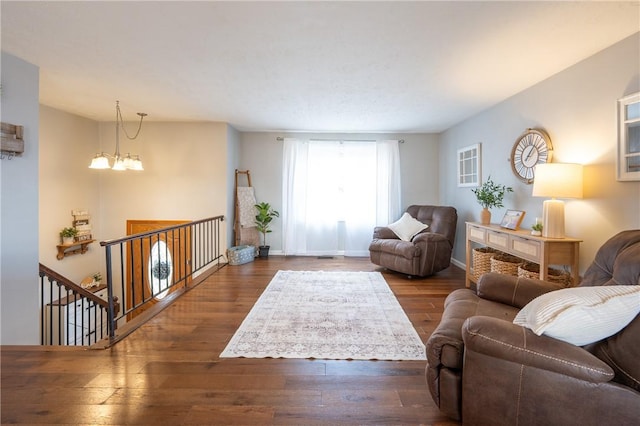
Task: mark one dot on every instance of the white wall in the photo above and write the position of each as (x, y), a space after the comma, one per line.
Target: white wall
(577, 107)
(184, 177)
(19, 208)
(67, 144)
(261, 154)
(233, 159)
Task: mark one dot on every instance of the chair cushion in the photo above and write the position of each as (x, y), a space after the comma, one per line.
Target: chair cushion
(581, 315)
(407, 227)
(400, 248)
(622, 353)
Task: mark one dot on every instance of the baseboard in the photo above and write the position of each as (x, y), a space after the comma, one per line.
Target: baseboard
(459, 264)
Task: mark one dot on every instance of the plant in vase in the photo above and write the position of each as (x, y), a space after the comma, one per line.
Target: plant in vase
(263, 224)
(536, 229)
(97, 278)
(68, 235)
(490, 195)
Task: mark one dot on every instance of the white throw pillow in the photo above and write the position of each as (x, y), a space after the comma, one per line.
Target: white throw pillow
(407, 227)
(581, 315)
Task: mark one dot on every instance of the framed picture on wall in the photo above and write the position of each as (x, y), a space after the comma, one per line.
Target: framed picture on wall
(512, 219)
(469, 160)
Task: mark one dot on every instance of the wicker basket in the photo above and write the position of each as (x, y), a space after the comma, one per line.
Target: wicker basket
(532, 270)
(482, 260)
(505, 264)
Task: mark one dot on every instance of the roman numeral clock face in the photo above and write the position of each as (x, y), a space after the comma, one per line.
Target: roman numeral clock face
(531, 148)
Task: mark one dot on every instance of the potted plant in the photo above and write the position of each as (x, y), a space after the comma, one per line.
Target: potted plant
(489, 195)
(68, 235)
(97, 278)
(536, 229)
(263, 223)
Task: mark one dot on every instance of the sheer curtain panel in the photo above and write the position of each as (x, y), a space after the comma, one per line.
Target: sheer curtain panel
(335, 193)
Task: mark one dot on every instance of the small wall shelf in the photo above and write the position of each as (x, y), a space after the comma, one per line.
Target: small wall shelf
(64, 249)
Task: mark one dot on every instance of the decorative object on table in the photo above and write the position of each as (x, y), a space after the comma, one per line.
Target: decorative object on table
(536, 229)
(504, 263)
(327, 315)
(100, 161)
(628, 161)
(265, 216)
(92, 281)
(532, 270)
(561, 180)
(68, 235)
(470, 165)
(239, 255)
(512, 219)
(490, 195)
(533, 147)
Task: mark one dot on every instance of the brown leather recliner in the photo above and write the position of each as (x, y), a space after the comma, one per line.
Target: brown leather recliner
(427, 253)
(483, 369)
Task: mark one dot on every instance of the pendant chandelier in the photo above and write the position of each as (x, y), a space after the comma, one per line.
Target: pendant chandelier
(128, 162)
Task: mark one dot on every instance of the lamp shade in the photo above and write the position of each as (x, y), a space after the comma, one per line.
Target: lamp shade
(558, 180)
(100, 161)
(118, 164)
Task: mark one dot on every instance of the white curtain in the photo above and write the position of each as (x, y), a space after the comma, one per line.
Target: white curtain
(335, 193)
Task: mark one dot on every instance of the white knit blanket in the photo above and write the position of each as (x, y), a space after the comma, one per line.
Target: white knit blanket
(246, 206)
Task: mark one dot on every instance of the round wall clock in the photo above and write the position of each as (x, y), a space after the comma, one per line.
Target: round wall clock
(531, 148)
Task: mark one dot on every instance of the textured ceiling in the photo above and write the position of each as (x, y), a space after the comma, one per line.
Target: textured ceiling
(306, 66)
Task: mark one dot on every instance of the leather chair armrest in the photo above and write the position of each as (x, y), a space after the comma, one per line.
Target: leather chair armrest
(384, 233)
(426, 237)
(504, 340)
(513, 291)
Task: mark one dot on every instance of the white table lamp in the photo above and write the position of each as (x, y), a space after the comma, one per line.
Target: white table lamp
(556, 180)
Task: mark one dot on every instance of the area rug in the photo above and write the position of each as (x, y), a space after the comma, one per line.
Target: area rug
(327, 314)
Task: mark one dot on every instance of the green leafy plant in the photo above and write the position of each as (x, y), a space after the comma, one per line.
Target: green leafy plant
(97, 277)
(263, 219)
(537, 227)
(68, 232)
(491, 194)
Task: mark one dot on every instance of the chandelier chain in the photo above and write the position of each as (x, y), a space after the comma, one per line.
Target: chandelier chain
(124, 129)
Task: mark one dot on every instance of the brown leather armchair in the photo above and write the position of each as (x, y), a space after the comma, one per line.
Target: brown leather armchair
(427, 253)
(483, 369)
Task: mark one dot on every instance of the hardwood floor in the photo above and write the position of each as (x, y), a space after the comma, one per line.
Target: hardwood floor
(168, 371)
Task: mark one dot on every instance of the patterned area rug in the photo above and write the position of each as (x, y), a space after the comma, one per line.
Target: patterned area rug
(334, 315)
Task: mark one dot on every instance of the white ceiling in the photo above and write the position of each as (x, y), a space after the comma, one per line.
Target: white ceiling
(306, 66)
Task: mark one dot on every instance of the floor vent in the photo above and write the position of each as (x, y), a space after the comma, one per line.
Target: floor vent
(325, 257)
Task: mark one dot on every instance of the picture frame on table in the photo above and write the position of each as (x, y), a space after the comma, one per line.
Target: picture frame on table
(512, 219)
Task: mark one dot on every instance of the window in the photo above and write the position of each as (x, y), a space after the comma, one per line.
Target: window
(469, 166)
(628, 163)
(335, 193)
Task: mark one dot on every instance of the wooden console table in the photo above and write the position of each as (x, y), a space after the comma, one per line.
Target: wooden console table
(540, 250)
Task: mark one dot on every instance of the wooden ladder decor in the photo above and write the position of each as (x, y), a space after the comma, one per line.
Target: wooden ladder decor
(236, 222)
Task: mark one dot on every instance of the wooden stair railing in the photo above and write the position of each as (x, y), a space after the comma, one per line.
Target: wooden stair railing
(70, 314)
